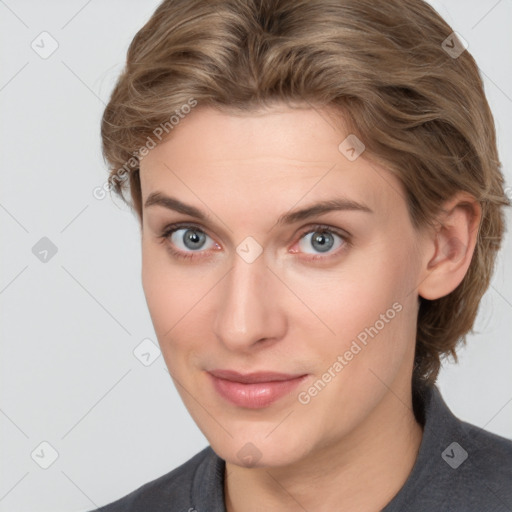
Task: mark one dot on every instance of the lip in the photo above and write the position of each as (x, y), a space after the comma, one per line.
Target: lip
(253, 390)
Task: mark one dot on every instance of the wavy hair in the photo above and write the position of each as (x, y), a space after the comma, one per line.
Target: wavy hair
(385, 64)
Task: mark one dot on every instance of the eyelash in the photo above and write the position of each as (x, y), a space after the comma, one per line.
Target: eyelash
(171, 228)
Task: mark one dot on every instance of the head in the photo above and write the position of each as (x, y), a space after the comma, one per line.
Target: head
(249, 111)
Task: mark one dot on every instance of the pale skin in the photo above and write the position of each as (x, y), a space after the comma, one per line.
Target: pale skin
(354, 444)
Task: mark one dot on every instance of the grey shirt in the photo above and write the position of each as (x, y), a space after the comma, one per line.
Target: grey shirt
(460, 468)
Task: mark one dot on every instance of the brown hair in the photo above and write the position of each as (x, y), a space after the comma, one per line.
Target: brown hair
(420, 110)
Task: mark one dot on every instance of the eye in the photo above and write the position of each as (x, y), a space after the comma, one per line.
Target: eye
(184, 240)
(322, 240)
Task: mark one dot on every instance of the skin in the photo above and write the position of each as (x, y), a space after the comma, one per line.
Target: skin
(286, 314)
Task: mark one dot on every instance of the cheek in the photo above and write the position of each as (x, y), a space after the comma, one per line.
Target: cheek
(353, 296)
(369, 307)
(176, 299)
(165, 292)
(165, 310)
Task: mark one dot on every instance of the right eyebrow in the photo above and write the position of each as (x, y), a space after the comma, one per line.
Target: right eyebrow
(171, 203)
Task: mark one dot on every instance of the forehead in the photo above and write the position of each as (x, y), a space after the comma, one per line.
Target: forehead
(291, 155)
(301, 134)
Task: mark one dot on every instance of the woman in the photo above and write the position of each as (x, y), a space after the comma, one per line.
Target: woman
(320, 201)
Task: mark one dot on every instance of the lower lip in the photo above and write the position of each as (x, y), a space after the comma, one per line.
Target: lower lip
(256, 395)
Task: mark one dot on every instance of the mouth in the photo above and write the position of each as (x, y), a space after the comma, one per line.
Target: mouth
(253, 390)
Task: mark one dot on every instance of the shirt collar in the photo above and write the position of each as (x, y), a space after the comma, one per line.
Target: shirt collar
(440, 431)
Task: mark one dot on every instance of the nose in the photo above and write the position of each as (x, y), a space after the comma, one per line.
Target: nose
(248, 311)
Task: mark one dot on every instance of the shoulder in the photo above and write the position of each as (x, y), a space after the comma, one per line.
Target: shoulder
(460, 467)
(474, 471)
(487, 468)
(172, 491)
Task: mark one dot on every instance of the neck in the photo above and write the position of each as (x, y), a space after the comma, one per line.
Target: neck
(363, 471)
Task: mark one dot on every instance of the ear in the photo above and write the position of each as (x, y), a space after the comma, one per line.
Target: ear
(449, 247)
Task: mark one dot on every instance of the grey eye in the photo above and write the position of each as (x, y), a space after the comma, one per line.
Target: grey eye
(191, 239)
(320, 240)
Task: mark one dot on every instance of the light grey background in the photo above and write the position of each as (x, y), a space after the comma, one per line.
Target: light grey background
(69, 326)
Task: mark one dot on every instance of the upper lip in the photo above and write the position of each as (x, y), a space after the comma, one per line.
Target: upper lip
(250, 378)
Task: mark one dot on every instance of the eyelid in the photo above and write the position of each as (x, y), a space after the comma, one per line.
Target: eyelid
(325, 227)
(175, 226)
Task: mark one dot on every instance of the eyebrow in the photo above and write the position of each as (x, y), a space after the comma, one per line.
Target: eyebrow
(336, 204)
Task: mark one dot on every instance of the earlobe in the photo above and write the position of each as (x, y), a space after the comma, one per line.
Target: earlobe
(453, 244)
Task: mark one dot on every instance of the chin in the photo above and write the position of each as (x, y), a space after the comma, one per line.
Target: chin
(261, 451)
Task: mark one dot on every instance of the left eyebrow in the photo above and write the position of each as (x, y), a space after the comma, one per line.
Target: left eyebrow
(322, 207)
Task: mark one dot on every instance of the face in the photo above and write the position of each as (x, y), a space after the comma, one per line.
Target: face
(236, 280)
